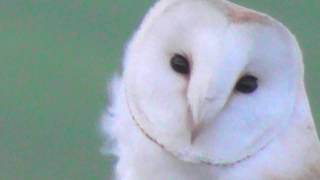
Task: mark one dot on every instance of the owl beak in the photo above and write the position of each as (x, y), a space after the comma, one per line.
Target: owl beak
(203, 112)
(195, 131)
(195, 122)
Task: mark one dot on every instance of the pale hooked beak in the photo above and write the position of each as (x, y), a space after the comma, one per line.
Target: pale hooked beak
(204, 111)
(196, 122)
(195, 131)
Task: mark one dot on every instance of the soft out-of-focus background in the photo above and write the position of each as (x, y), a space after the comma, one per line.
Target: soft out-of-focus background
(55, 59)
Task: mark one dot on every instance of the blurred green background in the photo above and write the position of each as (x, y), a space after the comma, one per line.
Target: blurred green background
(55, 59)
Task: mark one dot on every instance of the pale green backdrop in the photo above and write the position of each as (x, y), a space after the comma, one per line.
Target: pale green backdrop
(55, 59)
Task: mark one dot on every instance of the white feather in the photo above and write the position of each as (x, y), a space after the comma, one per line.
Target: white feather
(268, 134)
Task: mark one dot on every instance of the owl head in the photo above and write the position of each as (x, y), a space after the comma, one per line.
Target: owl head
(212, 82)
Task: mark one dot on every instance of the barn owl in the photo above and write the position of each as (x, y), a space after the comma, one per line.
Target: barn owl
(211, 90)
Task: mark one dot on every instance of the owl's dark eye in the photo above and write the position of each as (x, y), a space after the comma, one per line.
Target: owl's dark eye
(247, 84)
(180, 64)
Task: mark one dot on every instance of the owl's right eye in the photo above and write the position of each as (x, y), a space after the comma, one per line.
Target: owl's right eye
(180, 64)
(247, 84)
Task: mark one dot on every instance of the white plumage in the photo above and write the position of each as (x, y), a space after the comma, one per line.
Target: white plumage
(212, 91)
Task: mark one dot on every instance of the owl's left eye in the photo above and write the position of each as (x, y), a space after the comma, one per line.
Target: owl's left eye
(247, 84)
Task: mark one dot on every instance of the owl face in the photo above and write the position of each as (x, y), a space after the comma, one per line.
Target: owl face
(211, 82)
